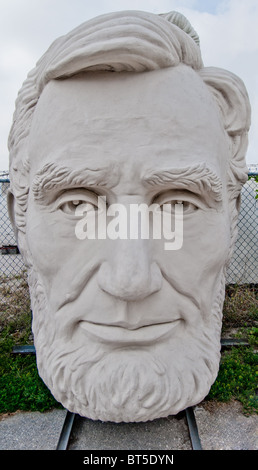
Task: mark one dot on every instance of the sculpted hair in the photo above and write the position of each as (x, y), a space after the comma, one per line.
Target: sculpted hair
(116, 42)
(131, 41)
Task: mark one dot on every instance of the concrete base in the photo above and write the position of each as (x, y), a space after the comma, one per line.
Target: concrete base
(221, 427)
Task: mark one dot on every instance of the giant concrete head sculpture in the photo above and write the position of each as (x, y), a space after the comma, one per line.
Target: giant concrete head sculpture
(121, 110)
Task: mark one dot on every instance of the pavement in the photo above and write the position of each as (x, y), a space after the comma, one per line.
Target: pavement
(221, 426)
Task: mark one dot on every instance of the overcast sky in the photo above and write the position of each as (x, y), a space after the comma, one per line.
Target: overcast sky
(228, 31)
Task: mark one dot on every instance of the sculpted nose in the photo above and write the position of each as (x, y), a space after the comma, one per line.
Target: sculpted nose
(129, 273)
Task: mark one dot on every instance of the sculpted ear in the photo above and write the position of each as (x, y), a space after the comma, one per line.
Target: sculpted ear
(232, 98)
(11, 212)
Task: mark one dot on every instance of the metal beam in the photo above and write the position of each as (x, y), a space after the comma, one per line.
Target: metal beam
(24, 349)
(228, 342)
(66, 431)
(193, 429)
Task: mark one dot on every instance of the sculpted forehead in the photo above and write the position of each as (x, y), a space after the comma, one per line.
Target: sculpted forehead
(169, 111)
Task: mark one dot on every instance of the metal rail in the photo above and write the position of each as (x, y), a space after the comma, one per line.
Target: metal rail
(66, 431)
(193, 429)
(24, 349)
(229, 342)
(65, 434)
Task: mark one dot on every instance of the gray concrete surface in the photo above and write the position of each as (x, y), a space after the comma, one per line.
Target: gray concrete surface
(221, 427)
(31, 431)
(160, 434)
(224, 427)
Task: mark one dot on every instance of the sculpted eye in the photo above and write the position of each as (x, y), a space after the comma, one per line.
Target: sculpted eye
(188, 207)
(77, 202)
(189, 202)
(71, 207)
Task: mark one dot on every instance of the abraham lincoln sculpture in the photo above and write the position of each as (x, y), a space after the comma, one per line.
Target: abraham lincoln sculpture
(121, 112)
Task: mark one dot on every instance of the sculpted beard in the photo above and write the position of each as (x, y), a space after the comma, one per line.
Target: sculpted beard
(126, 384)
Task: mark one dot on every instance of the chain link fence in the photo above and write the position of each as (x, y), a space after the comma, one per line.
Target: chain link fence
(242, 270)
(14, 291)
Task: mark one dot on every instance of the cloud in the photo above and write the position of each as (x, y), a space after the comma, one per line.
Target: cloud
(229, 39)
(227, 29)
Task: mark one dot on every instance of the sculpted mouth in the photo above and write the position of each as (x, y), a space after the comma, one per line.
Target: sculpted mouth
(118, 334)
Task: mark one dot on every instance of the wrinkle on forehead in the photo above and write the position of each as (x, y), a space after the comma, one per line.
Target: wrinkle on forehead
(164, 118)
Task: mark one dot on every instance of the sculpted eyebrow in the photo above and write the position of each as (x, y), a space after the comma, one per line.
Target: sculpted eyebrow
(198, 179)
(52, 177)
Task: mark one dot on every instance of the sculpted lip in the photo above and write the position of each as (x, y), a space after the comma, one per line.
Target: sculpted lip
(119, 334)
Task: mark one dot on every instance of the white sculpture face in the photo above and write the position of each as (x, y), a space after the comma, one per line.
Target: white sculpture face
(125, 330)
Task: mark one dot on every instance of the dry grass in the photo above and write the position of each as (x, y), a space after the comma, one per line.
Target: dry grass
(15, 313)
(240, 306)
